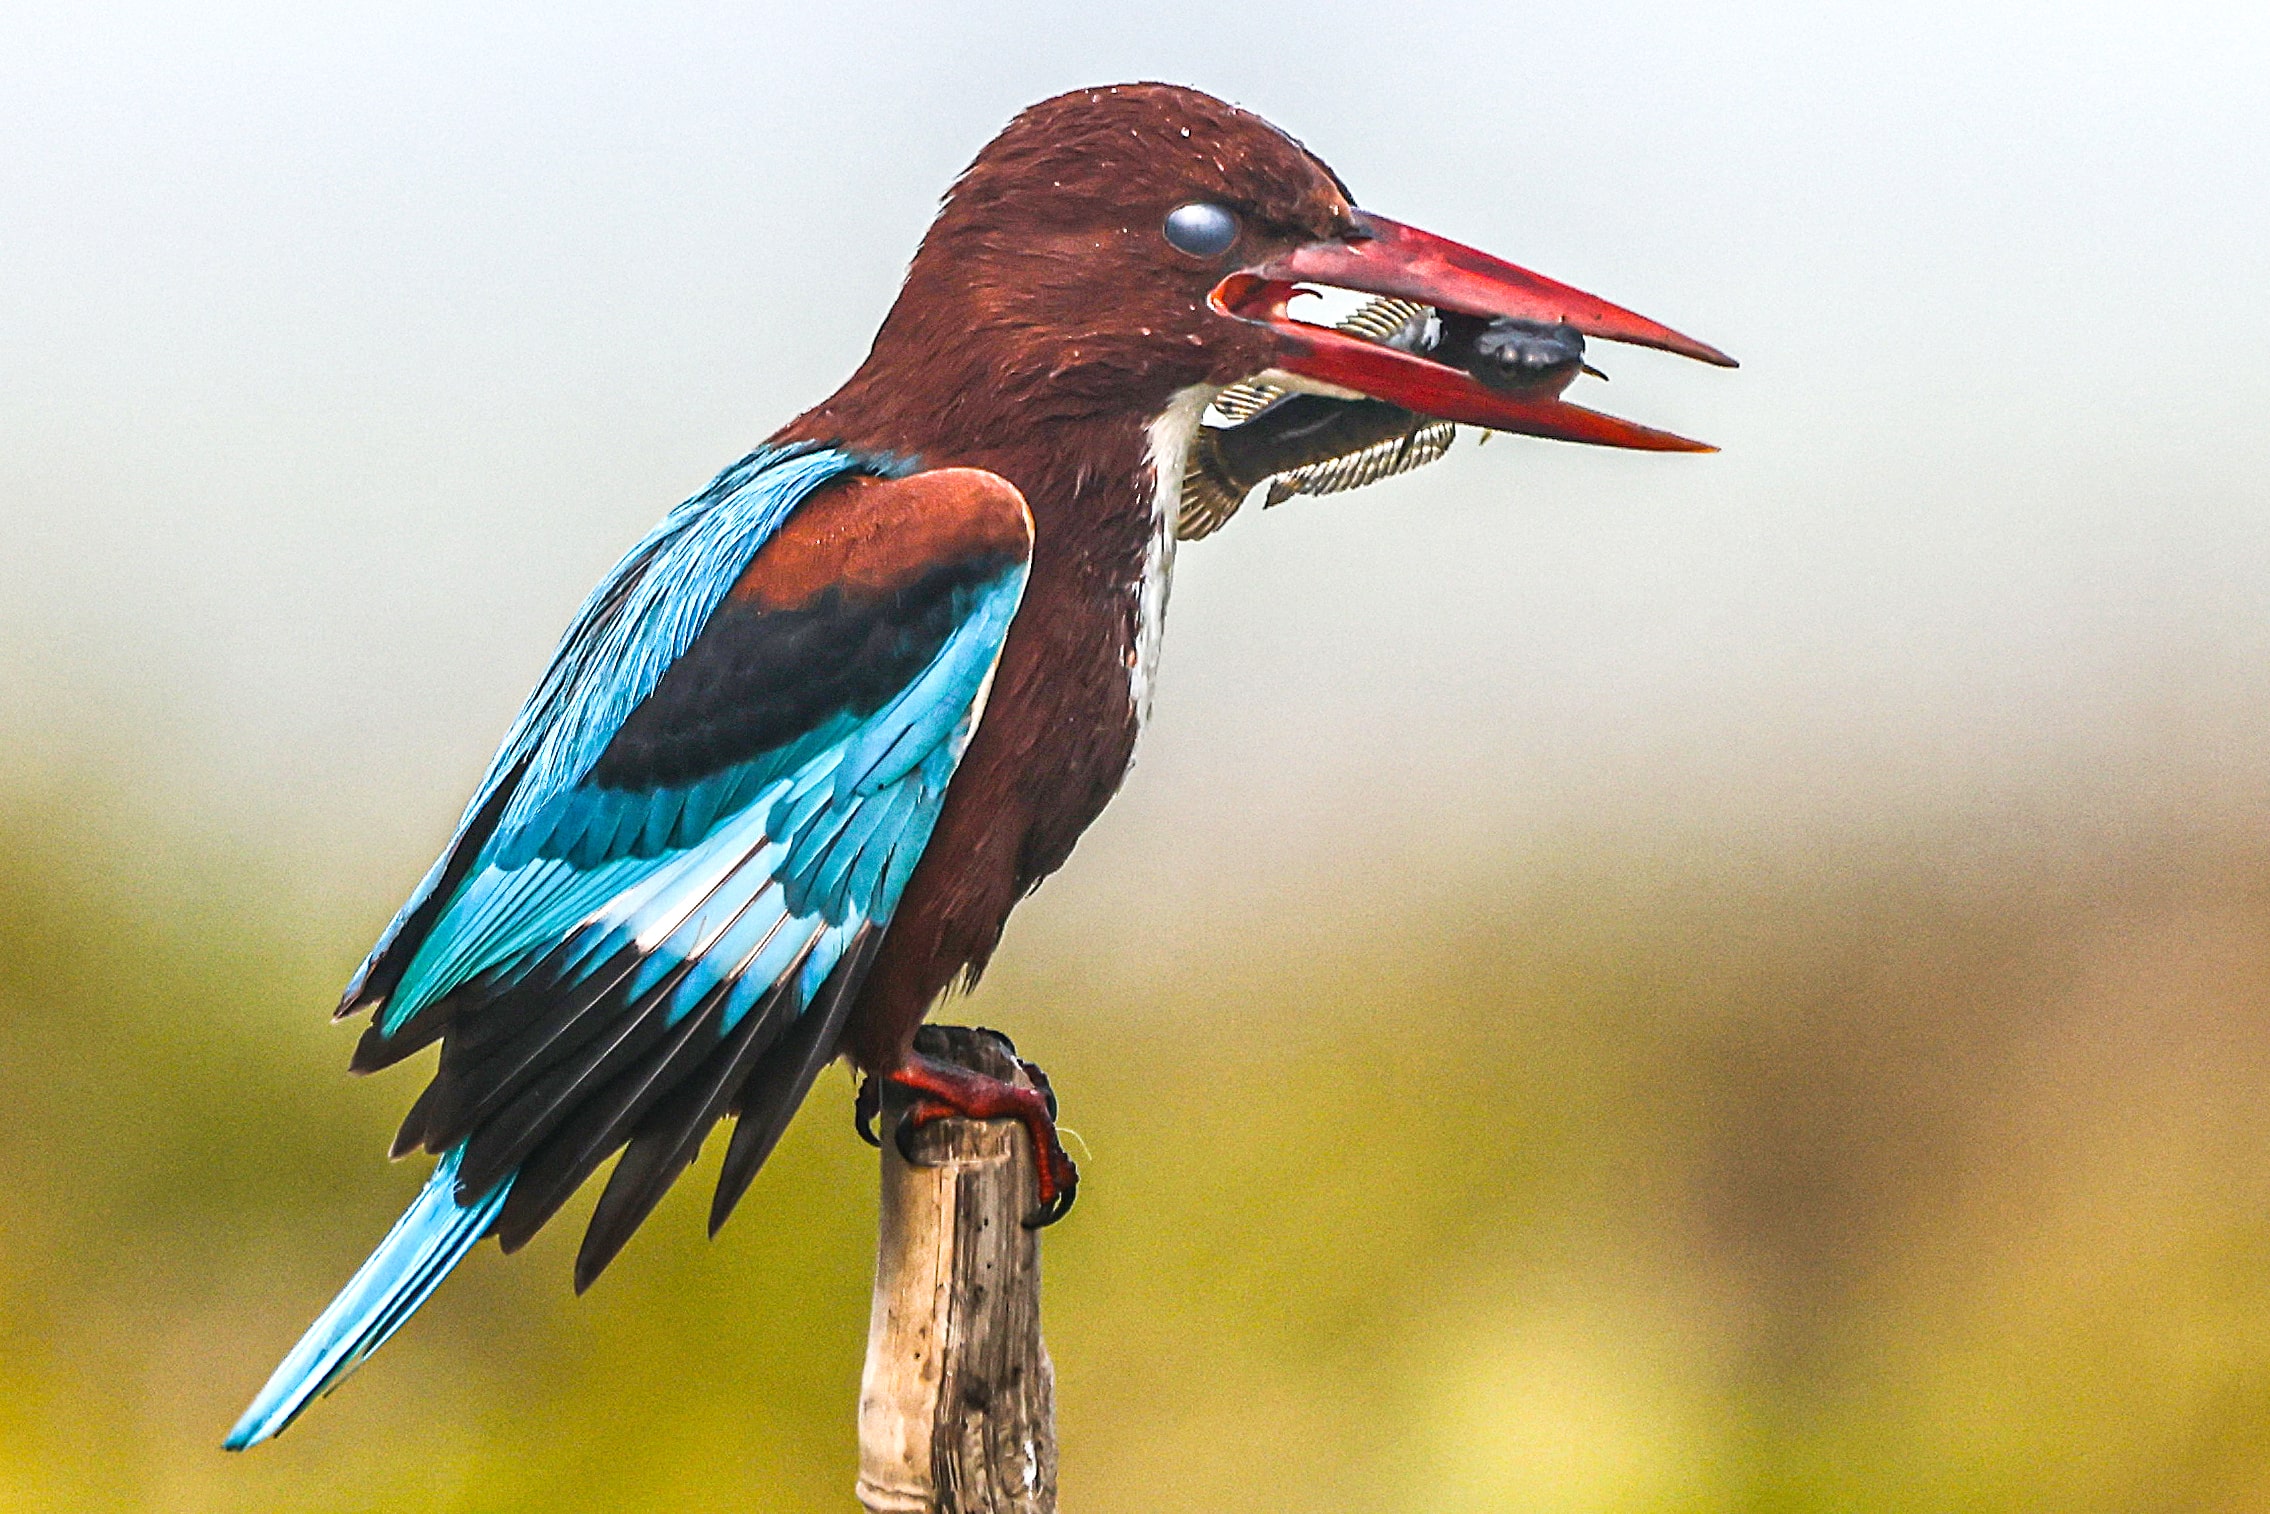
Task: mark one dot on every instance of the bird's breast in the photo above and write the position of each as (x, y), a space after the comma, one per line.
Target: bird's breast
(1081, 664)
(1067, 703)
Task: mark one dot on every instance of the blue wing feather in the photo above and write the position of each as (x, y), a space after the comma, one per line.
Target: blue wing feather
(711, 896)
(869, 789)
(640, 619)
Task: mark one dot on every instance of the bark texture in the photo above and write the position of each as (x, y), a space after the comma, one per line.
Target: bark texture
(957, 1404)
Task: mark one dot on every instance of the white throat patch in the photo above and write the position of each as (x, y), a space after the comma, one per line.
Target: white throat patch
(1171, 434)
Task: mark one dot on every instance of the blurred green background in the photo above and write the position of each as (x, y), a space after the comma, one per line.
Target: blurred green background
(1619, 983)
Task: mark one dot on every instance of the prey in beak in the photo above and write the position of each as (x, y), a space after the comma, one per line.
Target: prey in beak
(1453, 336)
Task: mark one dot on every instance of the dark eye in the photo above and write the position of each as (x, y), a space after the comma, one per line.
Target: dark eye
(1202, 230)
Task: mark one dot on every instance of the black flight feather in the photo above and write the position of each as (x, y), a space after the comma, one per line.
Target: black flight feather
(768, 1100)
(670, 1136)
(604, 1118)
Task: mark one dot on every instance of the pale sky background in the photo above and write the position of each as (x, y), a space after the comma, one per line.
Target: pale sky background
(347, 346)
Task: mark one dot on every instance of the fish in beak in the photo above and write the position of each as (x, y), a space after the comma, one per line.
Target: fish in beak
(1506, 341)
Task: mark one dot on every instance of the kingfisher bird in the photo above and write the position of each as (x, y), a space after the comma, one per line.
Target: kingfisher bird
(804, 749)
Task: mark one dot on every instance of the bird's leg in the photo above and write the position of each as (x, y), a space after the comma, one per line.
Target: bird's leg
(1040, 1081)
(943, 1089)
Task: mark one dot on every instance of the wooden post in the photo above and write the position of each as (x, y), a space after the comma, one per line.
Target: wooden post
(957, 1407)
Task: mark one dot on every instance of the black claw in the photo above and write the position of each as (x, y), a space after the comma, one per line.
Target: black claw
(902, 1136)
(865, 1108)
(1044, 1215)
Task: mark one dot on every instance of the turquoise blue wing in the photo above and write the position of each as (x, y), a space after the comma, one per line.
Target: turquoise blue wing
(659, 922)
(658, 908)
(599, 956)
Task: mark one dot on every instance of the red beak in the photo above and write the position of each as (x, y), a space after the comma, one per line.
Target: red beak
(1407, 263)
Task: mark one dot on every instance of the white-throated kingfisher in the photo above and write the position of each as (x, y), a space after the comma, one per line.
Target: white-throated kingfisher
(807, 746)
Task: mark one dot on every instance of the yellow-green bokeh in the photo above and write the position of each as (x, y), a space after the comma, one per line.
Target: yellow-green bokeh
(1620, 983)
(1881, 1184)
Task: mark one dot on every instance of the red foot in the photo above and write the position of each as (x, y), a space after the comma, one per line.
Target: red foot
(946, 1089)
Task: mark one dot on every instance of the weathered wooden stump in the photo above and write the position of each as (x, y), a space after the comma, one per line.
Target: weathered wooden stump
(957, 1405)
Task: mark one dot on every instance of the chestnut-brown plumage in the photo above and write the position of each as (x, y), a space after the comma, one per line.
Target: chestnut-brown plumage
(1044, 327)
(806, 748)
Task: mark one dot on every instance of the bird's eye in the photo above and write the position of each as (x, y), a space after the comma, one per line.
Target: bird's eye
(1202, 230)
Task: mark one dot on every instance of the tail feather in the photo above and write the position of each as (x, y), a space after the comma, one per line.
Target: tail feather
(432, 1236)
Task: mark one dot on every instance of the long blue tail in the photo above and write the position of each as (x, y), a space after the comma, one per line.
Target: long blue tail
(432, 1236)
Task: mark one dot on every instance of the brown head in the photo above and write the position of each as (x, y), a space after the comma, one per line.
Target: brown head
(1108, 262)
(1116, 247)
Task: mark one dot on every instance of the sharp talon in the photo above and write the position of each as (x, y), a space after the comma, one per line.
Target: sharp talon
(945, 1089)
(865, 1108)
(1049, 1211)
(902, 1136)
(1058, 1173)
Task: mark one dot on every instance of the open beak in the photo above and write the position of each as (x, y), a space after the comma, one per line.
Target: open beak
(1405, 263)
